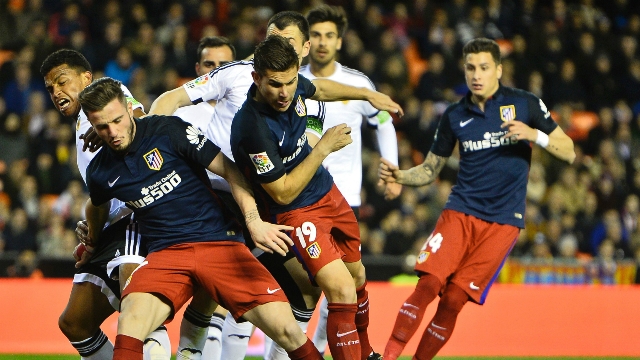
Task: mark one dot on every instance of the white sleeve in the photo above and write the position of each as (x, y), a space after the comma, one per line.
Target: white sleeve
(386, 134)
(214, 85)
(135, 103)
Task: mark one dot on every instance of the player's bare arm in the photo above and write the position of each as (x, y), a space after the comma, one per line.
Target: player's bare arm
(423, 174)
(170, 101)
(559, 144)
(328, 90)
(267, 237)
(289, 186)
(96, 218)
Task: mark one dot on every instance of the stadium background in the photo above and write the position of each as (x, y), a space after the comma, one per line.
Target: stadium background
(581, 57)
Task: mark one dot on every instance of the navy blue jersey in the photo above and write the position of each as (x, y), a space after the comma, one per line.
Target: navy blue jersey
(162, 179)
(492, 180)
(266, 144)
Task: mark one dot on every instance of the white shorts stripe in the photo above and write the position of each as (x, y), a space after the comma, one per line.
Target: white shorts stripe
(97, 281)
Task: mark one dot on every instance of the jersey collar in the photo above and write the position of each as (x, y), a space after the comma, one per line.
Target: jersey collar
(141, 126)
(468, 103)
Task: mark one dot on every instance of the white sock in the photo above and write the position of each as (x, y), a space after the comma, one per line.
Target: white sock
(98, 341)
(276, 352)
(157, 345)
(268, 344)
(320, 335)
(213, 346)
(192, 339)
(235, 338)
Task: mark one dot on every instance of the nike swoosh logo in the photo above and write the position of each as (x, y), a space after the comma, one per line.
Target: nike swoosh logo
(409, 305)
(438, 327)
(239, 336)
(347, 333)
(364, 303)
(272, 291)
(111, 183)
(281, 141)
(473, 287)
(464, 123)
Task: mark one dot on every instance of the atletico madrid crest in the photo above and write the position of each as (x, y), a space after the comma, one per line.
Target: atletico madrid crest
(301, 109)
(314, 250)
(508, 113)
(154, 159)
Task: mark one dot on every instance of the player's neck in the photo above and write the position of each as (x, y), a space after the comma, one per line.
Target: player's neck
(482, 100)
(320, 70)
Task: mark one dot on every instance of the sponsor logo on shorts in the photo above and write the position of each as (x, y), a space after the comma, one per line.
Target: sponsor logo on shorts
(423, 256)
(154, 159)
(117, 253)
(262, 162)
(272, 291)
(314, 250)
(301, 109)
(508, 113)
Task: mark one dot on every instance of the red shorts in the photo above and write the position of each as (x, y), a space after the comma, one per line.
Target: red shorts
(324, 232)
(227, 270)
(467, 251)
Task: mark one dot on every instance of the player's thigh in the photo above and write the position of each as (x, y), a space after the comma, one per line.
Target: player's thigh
(310, 294)
(447, 245)
(357, 271)
(141, 313)
(203, 303)
(336, 282)
(276, 320)
(124, 272)
(87, 308)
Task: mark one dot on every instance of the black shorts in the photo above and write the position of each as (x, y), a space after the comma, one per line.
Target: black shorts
(273, 262)
(120, 243)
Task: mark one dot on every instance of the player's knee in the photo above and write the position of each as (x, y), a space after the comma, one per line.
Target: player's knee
(74, 328)
(344, 293)
(453, 299)
(289, 335)
(359, 275)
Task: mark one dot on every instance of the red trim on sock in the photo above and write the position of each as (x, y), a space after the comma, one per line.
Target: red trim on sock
(127, 348)
(305, 352)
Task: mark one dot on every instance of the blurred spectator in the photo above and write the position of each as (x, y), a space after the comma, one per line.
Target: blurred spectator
(180, 52)
(433, 82)
(567, 88)
(14, 144)
(122, 67)
(17, 92)
(245, 40)
(602, 90)
(606, 129)
(19, 234)
(63, 24)
(143, 43)
(55, 240)
(476, 25)
(206, 17)
(173, 19)
(107, 49)
(602, 269)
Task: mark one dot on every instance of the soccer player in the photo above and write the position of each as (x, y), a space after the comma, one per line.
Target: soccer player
(229, 85)
(327, 25)
(269, 143)
(156, 165)
(201, 337)
(95, 293)
(495, 127)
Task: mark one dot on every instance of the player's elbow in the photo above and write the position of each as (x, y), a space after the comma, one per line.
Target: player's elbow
(283, 199)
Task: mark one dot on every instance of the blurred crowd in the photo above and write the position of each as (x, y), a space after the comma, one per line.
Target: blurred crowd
(580, 56)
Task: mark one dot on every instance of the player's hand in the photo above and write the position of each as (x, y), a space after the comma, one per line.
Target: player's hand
(82, 253)
(381, 101)
(388, 172)
(334, 139)
(270, 237)
(91, 140)
(517, 130)
(82, 232)
(392, 190)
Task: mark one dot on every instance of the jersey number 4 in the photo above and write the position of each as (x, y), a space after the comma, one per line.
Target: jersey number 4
(434, 242)
(307, 229)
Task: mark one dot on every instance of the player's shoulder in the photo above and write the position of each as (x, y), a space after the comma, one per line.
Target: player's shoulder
(305, 70)
(518, 93)
(354, 77)
(234, 67)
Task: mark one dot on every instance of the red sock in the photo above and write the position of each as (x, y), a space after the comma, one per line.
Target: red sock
(439, 330)
(411, 314)
(305, 352)
(342, 334)
(362, 321)
(127, 348)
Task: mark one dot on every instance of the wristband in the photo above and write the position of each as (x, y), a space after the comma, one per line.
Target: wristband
(543, 139)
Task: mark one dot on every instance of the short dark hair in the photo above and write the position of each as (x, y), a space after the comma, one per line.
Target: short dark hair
(71, 58)
(287, 18)
(334, 14)
(214, 42)
(275, 53)
(479, 45)
(101, 92)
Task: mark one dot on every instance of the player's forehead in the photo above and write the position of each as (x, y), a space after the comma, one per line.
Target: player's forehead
(217, 54)
(481, 58)
(282, 77)
(58, 72)
(113, 110)
(291, 32)
(325, 27)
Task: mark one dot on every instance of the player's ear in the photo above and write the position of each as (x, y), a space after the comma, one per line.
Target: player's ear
(87, 78)
(499, 71)
(198, 68)
(305, 49)
(339, 44)
(256, 77)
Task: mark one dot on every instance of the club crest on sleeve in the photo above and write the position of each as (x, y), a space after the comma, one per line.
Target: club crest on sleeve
(314, 250)
(154, 159)
(422, 257)
(508, 113)
(262, 162)
(301, 109)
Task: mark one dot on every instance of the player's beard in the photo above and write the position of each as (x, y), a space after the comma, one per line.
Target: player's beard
(322, 62)
(131, 131)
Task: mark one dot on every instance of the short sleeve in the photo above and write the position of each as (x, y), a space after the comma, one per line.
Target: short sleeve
(540, 115)
(307, 87)
(315, 116)
(215, 84)
(189, 141)
(258, 149)
(135, 104)
(98, 194)
(444, 140)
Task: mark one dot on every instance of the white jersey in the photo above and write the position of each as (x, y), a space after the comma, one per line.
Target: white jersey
(118, 209)
(345, 165)
(201, 116)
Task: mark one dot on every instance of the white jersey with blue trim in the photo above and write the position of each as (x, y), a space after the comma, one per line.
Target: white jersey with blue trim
(118, 209)
(346, 165)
